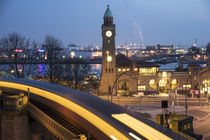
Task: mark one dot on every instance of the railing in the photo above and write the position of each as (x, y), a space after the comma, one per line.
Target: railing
(52, 126)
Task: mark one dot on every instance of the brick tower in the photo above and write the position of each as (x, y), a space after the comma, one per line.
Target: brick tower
(108, 75)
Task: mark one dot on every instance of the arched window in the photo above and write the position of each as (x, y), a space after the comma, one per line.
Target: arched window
(122, 85)
(206, 85)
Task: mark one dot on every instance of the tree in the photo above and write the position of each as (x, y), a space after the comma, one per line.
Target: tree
(53, 47)
(74, 74)
(16, 48)
(71, 75)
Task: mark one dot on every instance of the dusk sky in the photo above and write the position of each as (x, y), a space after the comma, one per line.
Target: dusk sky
(79, 21)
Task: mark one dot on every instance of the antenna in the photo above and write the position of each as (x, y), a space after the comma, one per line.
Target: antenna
(196, 41)
(180, 43)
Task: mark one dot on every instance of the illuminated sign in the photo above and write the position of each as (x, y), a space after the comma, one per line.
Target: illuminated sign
(41, 50)
(18, 50)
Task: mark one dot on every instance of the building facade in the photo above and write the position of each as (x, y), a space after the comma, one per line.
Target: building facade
(134, 76)
(123, 76)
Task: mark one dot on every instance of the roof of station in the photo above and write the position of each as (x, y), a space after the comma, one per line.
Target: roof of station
(110, 119)
(123, 61)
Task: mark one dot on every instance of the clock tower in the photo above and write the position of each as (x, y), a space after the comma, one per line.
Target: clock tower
(108, 74)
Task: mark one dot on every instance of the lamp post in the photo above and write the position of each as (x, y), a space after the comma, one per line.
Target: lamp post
(118, 76)
(186, 105)
(108, 59)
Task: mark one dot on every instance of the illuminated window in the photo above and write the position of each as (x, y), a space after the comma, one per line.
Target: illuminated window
(119, 69)
(162, 83)
(185, 127)
(189, 125)
(164, 74)
(186, 86)
(108, 41)
(151, 82)
(206, 85)
(123, 69)
(174, 81)
(148, 70)
(128, 69)
(141, 87)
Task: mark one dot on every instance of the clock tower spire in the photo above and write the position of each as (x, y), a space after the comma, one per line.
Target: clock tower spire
(108, 75)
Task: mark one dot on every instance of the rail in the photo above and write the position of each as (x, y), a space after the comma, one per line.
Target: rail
(52, 126)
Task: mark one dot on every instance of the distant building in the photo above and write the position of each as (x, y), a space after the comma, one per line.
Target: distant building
(73, 47)
(161, 49)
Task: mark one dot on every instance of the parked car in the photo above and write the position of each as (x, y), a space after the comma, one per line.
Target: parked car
(153, 95)
(138, 94)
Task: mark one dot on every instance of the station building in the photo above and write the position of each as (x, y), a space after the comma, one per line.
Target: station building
(123, 76)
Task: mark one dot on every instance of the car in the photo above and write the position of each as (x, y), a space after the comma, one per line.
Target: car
(138, 94)
(153, 95)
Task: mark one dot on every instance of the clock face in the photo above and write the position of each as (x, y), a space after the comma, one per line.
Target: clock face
(108, 33)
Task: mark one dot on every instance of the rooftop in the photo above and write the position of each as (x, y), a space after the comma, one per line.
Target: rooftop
(108, 13)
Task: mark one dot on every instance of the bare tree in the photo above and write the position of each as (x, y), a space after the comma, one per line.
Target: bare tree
(74, 74)
(16, 49)
(53, 47)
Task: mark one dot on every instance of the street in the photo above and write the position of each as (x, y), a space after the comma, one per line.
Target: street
(201, 121)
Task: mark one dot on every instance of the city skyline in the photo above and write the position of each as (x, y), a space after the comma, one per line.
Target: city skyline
(79, 22)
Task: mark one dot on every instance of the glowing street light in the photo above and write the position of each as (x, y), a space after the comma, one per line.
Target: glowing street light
(72, 54)
(12, 71)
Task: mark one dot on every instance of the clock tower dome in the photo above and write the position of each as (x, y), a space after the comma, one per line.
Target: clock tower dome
(108, 74)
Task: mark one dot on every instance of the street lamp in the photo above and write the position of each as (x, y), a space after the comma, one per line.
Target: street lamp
(118, 78)
(186, 104)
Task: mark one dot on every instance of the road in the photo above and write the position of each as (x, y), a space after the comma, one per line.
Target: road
(201, 122)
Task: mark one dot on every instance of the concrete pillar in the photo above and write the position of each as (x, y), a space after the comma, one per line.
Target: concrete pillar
(14, 126)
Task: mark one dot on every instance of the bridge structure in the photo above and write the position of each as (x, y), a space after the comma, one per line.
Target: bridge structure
(160, 58)
(54, 61)
(56, 107)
